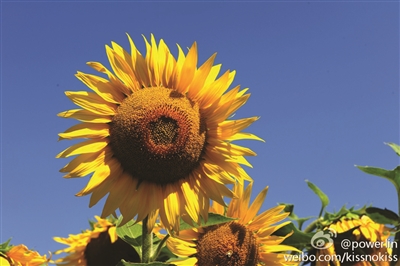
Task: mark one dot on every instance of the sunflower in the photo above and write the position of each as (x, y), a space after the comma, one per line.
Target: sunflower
(243, 242)
(158, 134)
(366, 231)
(21, 256)
(99, 246)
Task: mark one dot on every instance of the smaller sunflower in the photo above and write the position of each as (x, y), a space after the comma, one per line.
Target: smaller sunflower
(245, 241)
(21, 256)
(99, 246)
(367, 231)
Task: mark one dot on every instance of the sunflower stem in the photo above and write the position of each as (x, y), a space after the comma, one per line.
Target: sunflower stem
(396, 248)
(147, 242)
(312, 226)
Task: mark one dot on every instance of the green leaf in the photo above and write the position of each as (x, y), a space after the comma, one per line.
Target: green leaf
(131, 233)
(383, 216)
(156, 263)
(298, 239)
(292, 216)
(301, 221)
(395, 147)
(213, 219)
(322, 196)
(392, 175)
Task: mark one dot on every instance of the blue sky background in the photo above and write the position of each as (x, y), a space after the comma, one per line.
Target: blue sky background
(324, 77)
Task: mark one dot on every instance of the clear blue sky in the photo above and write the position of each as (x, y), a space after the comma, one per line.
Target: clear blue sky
(324, 77)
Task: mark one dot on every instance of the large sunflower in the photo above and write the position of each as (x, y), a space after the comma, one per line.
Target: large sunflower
(247, 241)
(22, 256)
(98, 246)
(366, 231)
(159, 140)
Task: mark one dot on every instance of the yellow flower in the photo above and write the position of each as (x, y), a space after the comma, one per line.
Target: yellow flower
(159, 137)
(245, 241)
(367, 233)
(100, 246)
(21, 256)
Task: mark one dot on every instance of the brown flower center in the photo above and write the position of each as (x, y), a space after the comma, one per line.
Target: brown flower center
(230, 244)
(158, 135)
(100, 251)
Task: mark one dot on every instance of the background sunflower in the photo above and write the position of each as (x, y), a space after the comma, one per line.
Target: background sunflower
(364, 230)
(20, 255)
(98, 246)
(245, 241)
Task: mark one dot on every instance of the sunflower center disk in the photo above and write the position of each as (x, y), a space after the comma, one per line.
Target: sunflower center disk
(158, 135)
(100, 251)
(230, 244)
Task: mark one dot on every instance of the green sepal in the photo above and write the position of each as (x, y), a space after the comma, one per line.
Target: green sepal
(297, 239)
(321, 195)
(395, 147)
(156, 263)
(213, 219)
(91, 224)
(343, 213)
(288, 208)
(382, 216)
(5, 247)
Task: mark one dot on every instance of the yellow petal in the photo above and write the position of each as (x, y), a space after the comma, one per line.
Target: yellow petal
(110, 169)
(89, 146)
(152, 61)
(85, 130)
(121, 69)
(150, 197)
(85, 116)
(102, 87)
(215, 191)
(112, 232)
(91, 102)
(171, 207)
(139, 64)
(174, 81)
(244, 135)
(118, 192)
(214, 90)
(229, 128)
(217, 208)
(188, 69)
(200, 78)
(83, 164)
(239, 159)
(117, 84)
(151, 220)
(190, 193)
(255, 206)
(180, 247)
(100, 191)
(169, 63)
